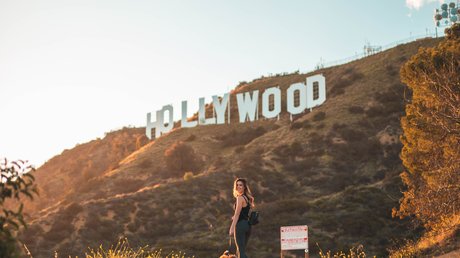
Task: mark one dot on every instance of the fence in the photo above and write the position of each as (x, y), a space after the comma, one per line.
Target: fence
(364, 54)
(348, 59)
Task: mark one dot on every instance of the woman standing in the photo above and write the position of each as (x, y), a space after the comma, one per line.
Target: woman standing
(240, 227)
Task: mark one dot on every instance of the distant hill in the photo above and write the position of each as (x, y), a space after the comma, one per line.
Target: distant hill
(335, 169)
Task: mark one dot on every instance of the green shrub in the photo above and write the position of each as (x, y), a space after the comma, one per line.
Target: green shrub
(16, 183)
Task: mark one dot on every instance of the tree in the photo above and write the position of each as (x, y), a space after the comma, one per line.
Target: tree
(180, 158)
(431, 138)
(16, 180)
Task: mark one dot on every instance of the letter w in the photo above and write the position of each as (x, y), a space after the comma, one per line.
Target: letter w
(247, 105)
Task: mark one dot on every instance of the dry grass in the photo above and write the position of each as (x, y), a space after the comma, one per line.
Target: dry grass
(436, 241)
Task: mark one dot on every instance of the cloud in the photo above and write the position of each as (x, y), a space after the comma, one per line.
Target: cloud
(416, 4)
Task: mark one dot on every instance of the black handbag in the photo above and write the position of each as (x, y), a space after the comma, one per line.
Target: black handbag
(254, 218)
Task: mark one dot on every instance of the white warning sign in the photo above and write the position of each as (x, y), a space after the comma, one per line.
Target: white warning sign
(294, 237)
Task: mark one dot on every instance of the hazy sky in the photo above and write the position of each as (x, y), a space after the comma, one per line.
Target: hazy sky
(72, 70)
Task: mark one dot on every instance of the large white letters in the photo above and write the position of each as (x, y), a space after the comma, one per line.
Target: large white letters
(184, 122)
(302, 89)
(220, 108)
(159, 124)
(266, 112)
(247, 105)
(321, 90)
(202, 120)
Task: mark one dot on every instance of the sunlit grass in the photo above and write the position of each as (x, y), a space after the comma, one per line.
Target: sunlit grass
(123, 250)
(354, 252)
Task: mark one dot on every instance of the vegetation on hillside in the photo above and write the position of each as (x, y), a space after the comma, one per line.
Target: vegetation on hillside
(72, 171)
(431, 139)
(16, 182)
(181, 157)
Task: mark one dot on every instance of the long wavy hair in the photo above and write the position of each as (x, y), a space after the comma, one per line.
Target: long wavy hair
(246, 192)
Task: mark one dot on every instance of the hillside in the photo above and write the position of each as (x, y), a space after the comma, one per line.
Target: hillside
(335, 169)
(62, 173)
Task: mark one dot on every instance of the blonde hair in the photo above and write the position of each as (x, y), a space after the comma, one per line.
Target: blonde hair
(246, 191)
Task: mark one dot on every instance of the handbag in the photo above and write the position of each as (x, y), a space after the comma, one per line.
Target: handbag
(254, 218)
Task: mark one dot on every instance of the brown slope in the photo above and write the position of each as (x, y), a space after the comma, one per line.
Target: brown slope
(337, 172)
(62, 173)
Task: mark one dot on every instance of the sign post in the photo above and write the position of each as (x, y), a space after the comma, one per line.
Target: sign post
(294, 238)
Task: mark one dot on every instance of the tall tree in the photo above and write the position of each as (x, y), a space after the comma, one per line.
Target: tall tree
(431, 138)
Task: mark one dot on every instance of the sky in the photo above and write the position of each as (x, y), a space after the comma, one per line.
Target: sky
(70, 71)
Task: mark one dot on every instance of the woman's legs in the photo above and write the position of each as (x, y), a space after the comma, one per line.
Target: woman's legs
(248, 234)
(241, 237)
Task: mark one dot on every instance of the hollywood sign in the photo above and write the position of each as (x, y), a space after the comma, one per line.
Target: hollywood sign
(248, 103)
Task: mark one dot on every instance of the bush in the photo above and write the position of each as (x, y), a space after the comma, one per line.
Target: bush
(190, 138)
(338, 126)
(319, 116)
(320, 126)
(376, 111)
(390, 70)
(336, 91)
(146, 163)
(239, 149)
(301, 166)
(355, 252)
(128, 185)
(356, 110)
(181, 157)
(297, 125)
(349, 134)
(345, 81)
(16, 181)
(235, 138)
(188, 175)
(73, 209)
(123, 249)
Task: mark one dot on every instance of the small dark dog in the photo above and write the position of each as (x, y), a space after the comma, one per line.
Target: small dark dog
(227, 254)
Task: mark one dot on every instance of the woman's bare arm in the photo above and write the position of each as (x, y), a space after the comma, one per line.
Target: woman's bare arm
(239, 205)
